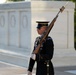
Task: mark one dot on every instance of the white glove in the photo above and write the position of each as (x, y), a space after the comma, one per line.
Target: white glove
(29, 73)
(33, 56)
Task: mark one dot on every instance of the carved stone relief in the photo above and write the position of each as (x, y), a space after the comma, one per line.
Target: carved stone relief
(2, 21)
(24, 21)
(12, 20)
(24, 29)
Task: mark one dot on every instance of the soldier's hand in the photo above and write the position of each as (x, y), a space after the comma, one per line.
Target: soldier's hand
(29, 73)
(33, 56)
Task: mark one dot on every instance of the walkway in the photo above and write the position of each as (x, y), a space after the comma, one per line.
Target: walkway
(64, 64)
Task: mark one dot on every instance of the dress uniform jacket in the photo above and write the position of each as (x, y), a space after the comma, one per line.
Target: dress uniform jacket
(43, 58)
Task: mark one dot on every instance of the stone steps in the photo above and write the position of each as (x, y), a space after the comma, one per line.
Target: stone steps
(64, 57)
(22, 60)
(15, 58)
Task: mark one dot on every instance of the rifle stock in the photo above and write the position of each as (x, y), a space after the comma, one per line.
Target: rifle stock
(37, 49)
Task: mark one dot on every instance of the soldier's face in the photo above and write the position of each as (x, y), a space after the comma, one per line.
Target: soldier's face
(41, 30)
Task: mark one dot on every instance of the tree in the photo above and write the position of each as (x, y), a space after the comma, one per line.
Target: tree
(75, 26)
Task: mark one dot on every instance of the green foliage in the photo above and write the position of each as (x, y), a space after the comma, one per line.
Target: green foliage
(75, 29)
(73, 0)
(74, 24)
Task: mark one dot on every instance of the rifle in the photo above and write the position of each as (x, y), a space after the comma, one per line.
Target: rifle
(45, 34)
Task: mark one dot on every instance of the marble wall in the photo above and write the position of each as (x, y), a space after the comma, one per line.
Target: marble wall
(18, 28)
(15, 25)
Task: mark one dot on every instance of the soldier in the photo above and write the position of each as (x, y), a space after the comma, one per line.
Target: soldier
(43, 58)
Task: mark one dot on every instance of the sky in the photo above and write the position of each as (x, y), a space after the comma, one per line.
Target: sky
(2, 1)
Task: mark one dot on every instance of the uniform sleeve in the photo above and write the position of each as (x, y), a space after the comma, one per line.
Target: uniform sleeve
(31, 61)
(31, 64)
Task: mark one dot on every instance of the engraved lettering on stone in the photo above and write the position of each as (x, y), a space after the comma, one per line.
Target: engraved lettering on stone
(2, 21)
(24, 21)
(13, 21)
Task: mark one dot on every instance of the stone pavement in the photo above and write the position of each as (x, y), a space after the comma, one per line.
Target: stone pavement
(64, 64)
(6, 69)
(9, 69)
(68, 70)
